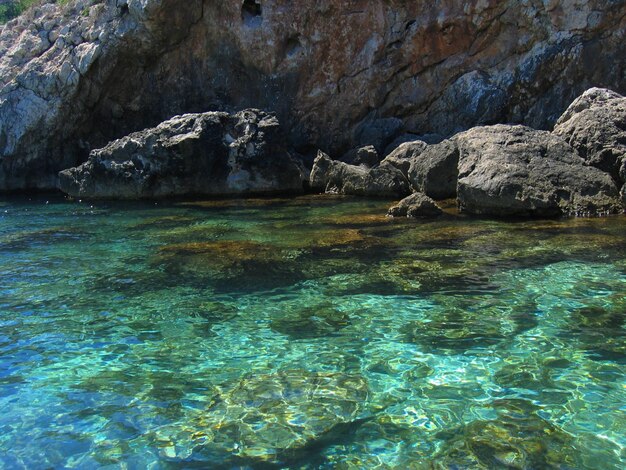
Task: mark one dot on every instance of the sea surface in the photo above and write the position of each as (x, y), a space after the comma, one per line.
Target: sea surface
(307, 333)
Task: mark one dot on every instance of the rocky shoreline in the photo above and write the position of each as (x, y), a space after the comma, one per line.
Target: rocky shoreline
(130, 99)
(500, 170)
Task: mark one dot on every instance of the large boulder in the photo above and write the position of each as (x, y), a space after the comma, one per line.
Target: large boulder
(435, 172)
(201, 154)
(337, 177)
(517, 171)
(404, 154)
(416, 205)
(595, 125)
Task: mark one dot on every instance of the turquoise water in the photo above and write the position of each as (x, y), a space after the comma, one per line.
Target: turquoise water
(307, 333)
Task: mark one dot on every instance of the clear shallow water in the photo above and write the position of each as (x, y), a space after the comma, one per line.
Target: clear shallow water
(312, 333)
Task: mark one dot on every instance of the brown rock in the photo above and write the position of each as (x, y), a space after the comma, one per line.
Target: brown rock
(340, 74)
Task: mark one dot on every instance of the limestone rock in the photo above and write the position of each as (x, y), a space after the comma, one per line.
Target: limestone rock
(338, 177)
(595, 125)
(404, 154)
(339, 74)
(435, 171)
(203, 154)
(517, 171)
(415, 205)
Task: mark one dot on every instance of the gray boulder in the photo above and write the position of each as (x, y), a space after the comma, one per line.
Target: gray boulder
(517, 171)
(404, 154)
(415, 205)
(194, 154)
(366, 156)
(337, 177)
(435, 172)
(595, 125)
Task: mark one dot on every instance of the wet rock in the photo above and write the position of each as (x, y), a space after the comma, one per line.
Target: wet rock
(365, 156)
(415, 205)
(435, 172)
(595, 125)
(204, 154)
(517, 171)
(404, 154)
(272, 416)
(337, 177)
(517, 439)
(310, 322)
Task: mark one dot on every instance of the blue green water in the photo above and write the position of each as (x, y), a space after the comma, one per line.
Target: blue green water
(307, 333)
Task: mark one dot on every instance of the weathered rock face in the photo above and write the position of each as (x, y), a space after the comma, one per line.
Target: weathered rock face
(595, 125)
(518, 171)
(339, 74)
(435, 172)
(416, 205)
(337, 177)
(204, 154)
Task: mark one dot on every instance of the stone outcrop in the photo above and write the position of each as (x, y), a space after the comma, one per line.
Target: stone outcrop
(417, 205)
(337, 177)
(435, 172)
(404, 154)
(339, 74)
(194, 154)
(595, 125)
(517, 171)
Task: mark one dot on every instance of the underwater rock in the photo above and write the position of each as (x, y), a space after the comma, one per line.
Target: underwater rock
(365, 156)
(338, 177)
(435, 172)
(517, 439)
(404, 154)
(595, 125)
(454, 328)
(272, 416)
(310, 321)
(199, 154)
(517, 171)
(415, 205)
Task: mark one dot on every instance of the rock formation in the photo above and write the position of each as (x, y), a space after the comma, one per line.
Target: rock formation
(595, 125)
(340, 178)
(518, 171)
(416, 205)
(193, 154)
(435, 172)
(339, 74)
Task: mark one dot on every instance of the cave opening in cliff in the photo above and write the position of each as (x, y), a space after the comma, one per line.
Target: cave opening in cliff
(251, 13)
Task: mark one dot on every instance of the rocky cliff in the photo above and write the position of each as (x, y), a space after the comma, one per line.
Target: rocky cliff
(337, 73)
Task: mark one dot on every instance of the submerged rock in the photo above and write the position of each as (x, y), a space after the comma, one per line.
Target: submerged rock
(204, 154)
(518, 171)
(275, 417)
(595, 125)
(517, 439)
(435, 172)
(415, 205)
(337, 177)
(310, 321)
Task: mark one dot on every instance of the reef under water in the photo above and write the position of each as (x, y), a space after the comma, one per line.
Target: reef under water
(307, 333)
